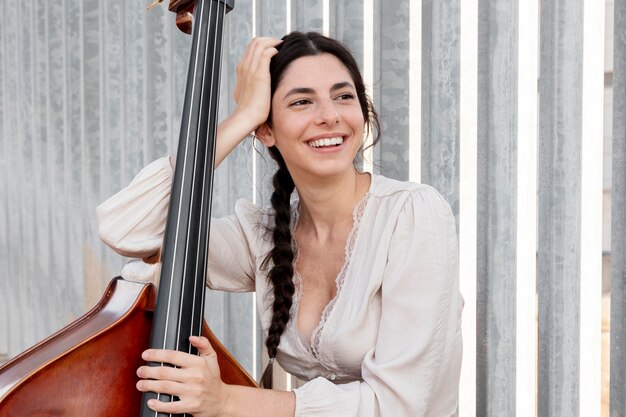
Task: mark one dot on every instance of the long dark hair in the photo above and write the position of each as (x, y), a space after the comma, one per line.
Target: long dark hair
(294, 46)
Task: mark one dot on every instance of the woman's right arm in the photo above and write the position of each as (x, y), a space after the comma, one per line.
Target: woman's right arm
(132, 221)
(252, 94)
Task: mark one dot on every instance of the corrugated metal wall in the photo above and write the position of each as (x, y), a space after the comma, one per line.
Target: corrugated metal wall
(514, 110)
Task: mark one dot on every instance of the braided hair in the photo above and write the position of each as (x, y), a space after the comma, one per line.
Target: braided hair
(281, 257)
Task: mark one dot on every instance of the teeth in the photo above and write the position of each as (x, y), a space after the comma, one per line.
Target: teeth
(326, 142)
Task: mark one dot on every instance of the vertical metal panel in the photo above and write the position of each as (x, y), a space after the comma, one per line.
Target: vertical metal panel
(497, 214)
(441, 97)
(271, 18)
(9, 131)
(40, 155)
(74, 146)
(24, 166)
(558, 280)
(307, 15)
(113, 118)
(391, 86)
(57, 236)
(346, 25)
(618, 217)
(12, 190)
(134, 69)
(10, 229)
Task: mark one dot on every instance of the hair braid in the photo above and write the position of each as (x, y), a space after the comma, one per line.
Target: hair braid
(282, 256)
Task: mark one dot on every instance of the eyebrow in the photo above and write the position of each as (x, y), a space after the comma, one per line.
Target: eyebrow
(307, 90)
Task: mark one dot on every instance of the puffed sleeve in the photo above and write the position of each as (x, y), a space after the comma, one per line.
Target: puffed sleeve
(132, 222)
(413, 369)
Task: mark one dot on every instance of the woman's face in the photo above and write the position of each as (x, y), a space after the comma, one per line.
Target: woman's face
(317, 123)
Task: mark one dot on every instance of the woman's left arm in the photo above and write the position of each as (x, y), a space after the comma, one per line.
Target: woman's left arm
(413, 369)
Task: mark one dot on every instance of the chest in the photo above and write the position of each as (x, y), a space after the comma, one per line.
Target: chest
(318, 267)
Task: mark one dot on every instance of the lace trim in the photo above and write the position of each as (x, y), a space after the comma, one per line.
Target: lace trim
(297, 279)
(314, 344)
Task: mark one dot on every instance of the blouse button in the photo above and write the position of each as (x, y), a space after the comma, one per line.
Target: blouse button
(332, 377)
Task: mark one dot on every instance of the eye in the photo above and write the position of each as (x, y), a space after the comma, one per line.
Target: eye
(300, 102)
(345, 96)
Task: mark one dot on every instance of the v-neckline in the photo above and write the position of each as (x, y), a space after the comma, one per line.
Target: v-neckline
(313, 344)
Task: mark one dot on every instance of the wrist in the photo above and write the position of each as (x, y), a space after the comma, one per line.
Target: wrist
(249, 117)
(227, 409)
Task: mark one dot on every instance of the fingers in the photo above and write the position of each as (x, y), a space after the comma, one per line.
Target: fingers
(163, 372)
(165, 386)
(172, 407)
(202, 344)
(254, 68)
(183, 404)
(255, 51)
(173, 357)
(186, 368)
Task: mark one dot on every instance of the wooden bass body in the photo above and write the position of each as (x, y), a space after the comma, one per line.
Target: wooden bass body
(87, 369)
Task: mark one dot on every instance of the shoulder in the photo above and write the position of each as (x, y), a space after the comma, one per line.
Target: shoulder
(257, 222)
(252, 214)
(407, 193)
(417, 215)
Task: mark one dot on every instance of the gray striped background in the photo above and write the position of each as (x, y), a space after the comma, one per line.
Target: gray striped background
(512, 117)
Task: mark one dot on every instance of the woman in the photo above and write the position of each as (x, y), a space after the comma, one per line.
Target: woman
(356, 278)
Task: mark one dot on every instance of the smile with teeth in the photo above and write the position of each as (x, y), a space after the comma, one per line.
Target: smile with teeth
(319, 143)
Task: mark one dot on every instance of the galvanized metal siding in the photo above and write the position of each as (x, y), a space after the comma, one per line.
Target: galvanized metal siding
(558, 280)
(618, 216)
(497, 207)
(91, 91)
(441, 45)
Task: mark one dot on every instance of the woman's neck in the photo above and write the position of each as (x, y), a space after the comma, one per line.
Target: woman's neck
(329, 202)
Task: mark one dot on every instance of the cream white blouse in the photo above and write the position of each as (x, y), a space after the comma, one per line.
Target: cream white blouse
(389, 343)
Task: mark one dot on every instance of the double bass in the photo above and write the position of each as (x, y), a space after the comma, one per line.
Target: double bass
(88, 367)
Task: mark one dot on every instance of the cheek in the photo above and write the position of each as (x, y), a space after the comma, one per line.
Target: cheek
(291, 128)
(357, 122)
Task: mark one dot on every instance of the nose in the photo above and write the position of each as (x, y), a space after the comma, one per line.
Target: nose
(327, 113)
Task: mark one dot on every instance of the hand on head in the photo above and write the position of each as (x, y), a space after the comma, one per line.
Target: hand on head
(252, 91)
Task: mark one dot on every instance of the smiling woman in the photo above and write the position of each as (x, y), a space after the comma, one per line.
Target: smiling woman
(356, 275)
